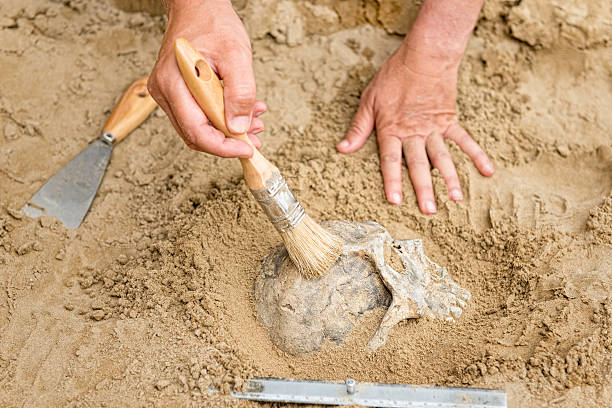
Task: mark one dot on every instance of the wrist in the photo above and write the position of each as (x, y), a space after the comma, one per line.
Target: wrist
(433, 46)
(442, 29)
(186, 7)
(428, 61)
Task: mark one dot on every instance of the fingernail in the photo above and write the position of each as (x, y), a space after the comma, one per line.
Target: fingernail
(430, 207)
(488, 168)
(456, 195)
(240, 124)
(396, 198)
(343, 144)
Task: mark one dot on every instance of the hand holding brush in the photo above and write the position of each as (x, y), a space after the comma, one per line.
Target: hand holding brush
(312, 248)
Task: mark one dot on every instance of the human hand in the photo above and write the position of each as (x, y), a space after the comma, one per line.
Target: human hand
(411, 102)
(216, 31)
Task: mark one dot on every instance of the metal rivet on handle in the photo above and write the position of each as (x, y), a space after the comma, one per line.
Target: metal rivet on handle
(108, 138)
(350, 386)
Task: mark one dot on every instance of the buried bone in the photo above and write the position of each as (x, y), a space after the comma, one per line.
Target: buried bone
(301, 314)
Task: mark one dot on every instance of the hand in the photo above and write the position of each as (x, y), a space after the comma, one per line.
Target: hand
(216, 31)
(411, 102)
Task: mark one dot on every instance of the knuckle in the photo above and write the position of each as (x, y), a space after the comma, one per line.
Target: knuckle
(440, 156)
(422, 186)
(462, 138)
(356, 128)
(423, 191)
(158, 85)
(189, 142)
(153, 87)
(451, 180)
(368, 95)
(238, 51)
(418, 162)
(390, 158)
(151, 84)
(189, 138)
(392, 181)
(387, 130)
(242, 95)
(243, 49)
(192, 134)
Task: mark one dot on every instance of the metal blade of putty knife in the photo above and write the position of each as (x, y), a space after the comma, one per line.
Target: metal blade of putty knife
(69, 193)
(369, 394)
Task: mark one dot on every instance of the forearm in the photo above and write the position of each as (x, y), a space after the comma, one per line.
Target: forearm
(443, 27)
(186, 6)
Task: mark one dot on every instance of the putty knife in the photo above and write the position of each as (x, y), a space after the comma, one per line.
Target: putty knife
(69, 193)
(364, 394)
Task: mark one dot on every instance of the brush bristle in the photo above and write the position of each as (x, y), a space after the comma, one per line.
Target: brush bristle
(312, 248)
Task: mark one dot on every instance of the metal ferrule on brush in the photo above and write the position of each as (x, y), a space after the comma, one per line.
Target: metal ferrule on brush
(279, 203)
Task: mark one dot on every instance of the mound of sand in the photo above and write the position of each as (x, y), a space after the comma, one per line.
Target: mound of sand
(151, 299)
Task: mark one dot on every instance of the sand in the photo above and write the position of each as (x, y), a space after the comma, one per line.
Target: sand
(151, 300)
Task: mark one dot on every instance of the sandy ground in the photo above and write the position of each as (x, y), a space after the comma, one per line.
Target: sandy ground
(150, 301)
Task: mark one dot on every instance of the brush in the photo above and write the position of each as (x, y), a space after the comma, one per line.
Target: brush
(311, 247)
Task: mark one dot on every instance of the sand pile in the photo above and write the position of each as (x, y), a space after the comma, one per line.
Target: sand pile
(151, 300)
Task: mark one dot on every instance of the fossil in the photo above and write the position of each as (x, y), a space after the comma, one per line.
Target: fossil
(302, 314)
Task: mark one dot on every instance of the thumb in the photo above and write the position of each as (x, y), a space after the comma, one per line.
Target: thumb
(239, 93)
(361, 128)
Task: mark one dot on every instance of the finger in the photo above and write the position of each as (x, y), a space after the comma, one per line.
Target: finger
(257, 126)
(178, 128)
(419, 170)
(195, 127)
(259, 108)
(441, 160)
(459, 135)
(153, 88)
(391, 166)
(181, 133)
(157, 95)
(236, 70)
(231, 145)
(361, 128)
(255, 140)
(166, 108)
(170, 114)
(252, 132)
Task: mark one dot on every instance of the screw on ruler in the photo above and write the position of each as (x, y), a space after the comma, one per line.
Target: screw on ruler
(350, 386)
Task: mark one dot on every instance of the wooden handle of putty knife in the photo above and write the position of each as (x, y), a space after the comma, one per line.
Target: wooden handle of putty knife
(207, 90)
(132, 109)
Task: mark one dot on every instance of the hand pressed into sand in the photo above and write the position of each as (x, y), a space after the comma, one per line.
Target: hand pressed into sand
(411, 103)
(217, 32)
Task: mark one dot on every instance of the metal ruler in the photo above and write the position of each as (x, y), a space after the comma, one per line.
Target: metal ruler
(369, 394)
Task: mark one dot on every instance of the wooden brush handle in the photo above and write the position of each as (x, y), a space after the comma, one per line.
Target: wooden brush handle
(207, 90)
(132, 109)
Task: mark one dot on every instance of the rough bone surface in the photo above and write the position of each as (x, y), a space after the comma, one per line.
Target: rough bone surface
(302, 314)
